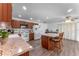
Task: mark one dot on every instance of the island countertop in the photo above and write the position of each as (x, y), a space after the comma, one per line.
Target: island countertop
(15, 46)
(51, 34)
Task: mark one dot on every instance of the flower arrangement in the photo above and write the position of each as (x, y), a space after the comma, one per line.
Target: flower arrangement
(3, 35)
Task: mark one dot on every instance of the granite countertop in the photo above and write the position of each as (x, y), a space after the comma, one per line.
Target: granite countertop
(15, 46)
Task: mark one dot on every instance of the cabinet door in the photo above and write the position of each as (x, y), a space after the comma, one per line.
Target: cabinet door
(15, 24)
(30, 25)
(9, 11)
(5, 13)
(31, 36)
(44, 42)
(0, 11)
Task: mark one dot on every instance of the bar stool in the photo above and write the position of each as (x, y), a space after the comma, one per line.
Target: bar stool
(58, 42)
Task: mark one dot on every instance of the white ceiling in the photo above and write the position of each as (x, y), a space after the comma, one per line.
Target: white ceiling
(40, 11)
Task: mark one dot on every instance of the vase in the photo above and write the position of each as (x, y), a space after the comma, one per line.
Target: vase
(3, 40)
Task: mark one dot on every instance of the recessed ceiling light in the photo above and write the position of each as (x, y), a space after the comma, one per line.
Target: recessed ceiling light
(19, 15)
(24, 8)
(31, 18)
(47, 17)
(69, 10)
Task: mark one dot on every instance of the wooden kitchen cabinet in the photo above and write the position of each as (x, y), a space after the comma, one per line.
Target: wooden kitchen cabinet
(46, 42)
(9, 14)
(5, 12)
(31, 36)
(30, 25)
(0, 11)
(15, 24)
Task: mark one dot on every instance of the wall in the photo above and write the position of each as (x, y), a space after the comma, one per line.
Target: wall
(52, 26)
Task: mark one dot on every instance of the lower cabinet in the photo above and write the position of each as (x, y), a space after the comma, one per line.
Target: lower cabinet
(46, 42)
(31, 36)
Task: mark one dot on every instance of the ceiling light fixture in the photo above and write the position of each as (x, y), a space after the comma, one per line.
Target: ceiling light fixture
(69, 10)
(31, 18)
(24, 8)
(19, 15)
(46, 17)
(68, 19)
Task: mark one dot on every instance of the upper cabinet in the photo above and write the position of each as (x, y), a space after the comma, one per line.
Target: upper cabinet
(15, 24)
(30, 25)
(5, 12)
(0, 11)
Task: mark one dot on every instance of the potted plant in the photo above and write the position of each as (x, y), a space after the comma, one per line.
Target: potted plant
(3, 36)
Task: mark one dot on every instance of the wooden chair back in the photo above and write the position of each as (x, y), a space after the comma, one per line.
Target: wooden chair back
(61, 35)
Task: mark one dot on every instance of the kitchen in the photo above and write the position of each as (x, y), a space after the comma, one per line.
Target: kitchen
(23, 23)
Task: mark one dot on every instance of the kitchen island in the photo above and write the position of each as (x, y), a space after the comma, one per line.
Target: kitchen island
(46, 40)
(15, 46)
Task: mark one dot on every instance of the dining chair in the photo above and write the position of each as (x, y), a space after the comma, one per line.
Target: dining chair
(61, 38)
(58, 42)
